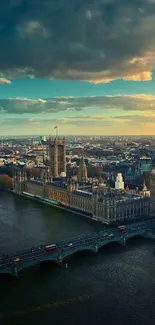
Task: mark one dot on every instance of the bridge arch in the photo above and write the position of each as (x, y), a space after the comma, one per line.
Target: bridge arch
(6, 273)
(119, 242)
(38, 262)
(135, 236)
(88, 249)
(55, 262)
(30, 264)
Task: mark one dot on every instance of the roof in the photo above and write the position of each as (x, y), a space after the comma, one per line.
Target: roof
(34, 182)
(83, 193)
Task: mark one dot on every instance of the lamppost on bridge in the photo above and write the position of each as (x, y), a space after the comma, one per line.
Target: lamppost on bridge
(96, 248)
(15, 270)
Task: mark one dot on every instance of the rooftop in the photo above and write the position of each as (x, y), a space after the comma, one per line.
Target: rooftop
(83, 193)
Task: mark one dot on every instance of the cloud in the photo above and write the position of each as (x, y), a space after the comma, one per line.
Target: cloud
(4, 81)
(41, 106)
(138, 102)
(48, 123)
(31, 29)
(96, 41)
(85, 121)
(136, 119)
(86, 125)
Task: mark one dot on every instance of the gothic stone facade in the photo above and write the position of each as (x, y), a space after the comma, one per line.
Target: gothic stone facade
(104, 209)
(57, 156)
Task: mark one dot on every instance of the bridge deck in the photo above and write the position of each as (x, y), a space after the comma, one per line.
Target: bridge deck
(64, 248)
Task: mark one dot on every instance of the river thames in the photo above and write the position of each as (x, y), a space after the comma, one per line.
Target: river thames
(115, 287)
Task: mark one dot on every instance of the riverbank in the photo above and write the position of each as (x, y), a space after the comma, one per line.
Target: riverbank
(57, 206)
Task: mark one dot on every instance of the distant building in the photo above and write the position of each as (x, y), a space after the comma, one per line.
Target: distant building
(119, 184)
(42, 139)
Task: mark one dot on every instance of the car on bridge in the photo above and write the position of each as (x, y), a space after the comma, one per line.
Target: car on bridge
(16, 260)
(111, 236)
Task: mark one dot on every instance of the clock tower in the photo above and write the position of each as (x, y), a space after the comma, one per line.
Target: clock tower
(152, 189)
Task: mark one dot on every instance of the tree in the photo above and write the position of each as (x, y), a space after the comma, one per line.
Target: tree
(8, 170)
(6, 182)
(36, 172)
(94, 171)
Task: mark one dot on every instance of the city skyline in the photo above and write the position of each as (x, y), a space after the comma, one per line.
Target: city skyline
(86, 67)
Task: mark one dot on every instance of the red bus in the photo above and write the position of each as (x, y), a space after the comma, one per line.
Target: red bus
(121, 228)
(50, 248)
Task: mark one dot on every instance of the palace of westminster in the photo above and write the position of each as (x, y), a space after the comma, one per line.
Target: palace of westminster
(99, 202)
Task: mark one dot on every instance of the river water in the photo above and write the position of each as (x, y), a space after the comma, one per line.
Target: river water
(117, 286)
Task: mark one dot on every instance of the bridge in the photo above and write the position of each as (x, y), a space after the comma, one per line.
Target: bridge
(13, 264)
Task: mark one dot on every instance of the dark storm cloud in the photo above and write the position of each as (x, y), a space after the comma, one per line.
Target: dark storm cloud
(97, 40)
(140, 102)
(36, 106)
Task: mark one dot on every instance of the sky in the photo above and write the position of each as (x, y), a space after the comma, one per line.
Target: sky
(86, 66)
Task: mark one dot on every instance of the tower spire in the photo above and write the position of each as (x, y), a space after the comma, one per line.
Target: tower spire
(144, 186)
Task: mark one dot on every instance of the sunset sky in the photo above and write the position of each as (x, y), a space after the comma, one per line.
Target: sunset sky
(87, 66)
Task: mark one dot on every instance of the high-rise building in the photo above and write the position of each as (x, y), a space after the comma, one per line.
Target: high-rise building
(57, 156)
(42, 139)
(152, 189)
(82, 172)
